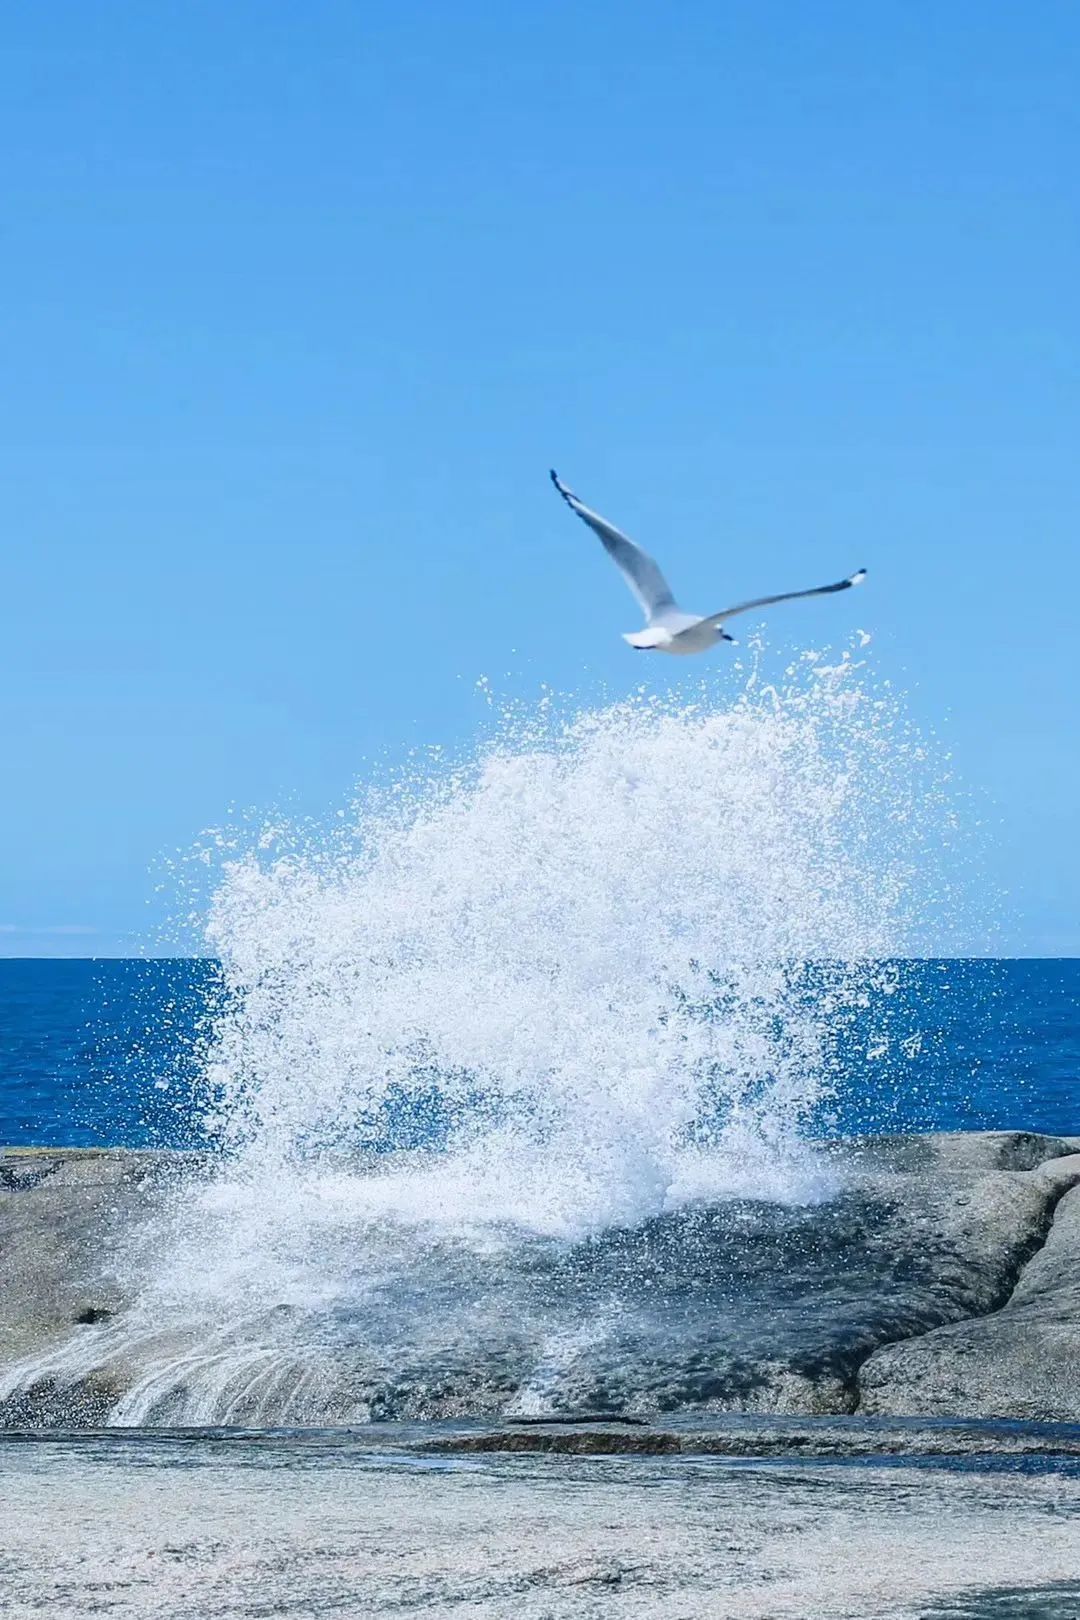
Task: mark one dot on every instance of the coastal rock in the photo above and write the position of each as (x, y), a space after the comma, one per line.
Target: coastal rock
(737, 1435)
(65, 1214)
(938, 1278)
(767, 1309)
(1022, 1361)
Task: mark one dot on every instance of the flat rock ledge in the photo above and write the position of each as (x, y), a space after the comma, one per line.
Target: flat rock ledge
(735, 1435)
(947, 1286)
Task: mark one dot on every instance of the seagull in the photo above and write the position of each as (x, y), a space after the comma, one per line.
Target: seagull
(667, 628)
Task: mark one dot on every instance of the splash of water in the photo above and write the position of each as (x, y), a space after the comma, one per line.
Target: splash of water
(601, 971)
(617, 948)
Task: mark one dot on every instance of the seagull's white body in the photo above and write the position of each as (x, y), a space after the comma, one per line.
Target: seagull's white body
(680, 633)
(667, 628)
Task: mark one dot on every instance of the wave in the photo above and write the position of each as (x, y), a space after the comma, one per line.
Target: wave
(600, 973)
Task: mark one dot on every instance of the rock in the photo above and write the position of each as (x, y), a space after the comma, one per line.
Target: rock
(768, 1309)
(951, 1153)
(940, 1279)
(63, 1215)
(732, 1435)
(1022, 1361)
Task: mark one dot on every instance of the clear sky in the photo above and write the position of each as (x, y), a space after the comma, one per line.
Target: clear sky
(301, 300)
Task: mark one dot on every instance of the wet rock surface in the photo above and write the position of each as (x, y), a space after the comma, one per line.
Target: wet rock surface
(64, 1215)
(738, 1435)
(940, 1279)
(1020, 1361)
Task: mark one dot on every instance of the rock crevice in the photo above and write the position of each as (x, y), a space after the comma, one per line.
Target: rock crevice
(1019, 1360)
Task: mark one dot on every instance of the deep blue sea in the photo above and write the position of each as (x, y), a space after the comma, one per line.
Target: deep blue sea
(107, 1052)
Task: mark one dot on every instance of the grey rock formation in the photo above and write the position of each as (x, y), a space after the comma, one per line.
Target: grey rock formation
(64, 1214)
(941, 1279)
(1022, 1361)
(732, 1435)
(782, 1315)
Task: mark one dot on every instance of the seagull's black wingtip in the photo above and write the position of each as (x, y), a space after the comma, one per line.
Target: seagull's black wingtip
(553, 475)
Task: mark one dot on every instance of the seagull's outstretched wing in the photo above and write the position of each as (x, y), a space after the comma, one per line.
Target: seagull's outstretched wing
(637, 567)
(787, 596)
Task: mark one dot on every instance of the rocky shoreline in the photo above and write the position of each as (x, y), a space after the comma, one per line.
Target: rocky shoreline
(943, 1282)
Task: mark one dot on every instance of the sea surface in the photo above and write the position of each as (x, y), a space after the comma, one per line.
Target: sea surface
(108, 1053)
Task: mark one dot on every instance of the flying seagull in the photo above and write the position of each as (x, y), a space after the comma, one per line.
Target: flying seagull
(667, 628)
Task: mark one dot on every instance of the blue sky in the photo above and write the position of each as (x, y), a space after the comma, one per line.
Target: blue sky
(300, 301)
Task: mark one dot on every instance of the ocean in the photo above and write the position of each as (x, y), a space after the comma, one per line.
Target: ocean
(107, 1053)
